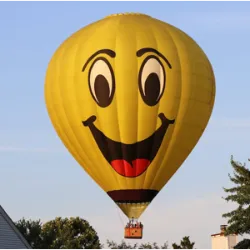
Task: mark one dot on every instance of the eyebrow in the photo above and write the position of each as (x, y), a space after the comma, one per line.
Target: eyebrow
(109, 52)
(142, 51)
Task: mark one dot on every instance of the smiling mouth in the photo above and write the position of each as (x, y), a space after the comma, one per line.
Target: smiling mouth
(129, 160)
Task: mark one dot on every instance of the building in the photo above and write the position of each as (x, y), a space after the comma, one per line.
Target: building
(10, 237)
(220, 241)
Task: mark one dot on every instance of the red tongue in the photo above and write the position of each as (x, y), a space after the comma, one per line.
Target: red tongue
(124, 168)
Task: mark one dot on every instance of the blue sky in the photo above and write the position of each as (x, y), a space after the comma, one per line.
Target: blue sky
(40, 179)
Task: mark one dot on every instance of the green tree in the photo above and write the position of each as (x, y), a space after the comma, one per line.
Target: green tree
(153, 246)
(72, 233)
(148, 246)
(175, 246)
(239, 219)
(184, 244)
(31, 230)
(165, 245)
(124, 245)
(244, 244)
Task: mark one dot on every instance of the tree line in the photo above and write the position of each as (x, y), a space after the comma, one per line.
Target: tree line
(77, 233)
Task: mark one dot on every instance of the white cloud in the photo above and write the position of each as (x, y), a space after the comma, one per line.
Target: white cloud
(226, 132)
(229, 123)
(221, 20)
(210, 22)
(24, 149)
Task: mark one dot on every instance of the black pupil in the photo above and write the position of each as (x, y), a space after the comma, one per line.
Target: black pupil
(102, 90)
(152, 89)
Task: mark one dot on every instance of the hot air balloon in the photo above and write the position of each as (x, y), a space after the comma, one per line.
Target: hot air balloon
(130, 96)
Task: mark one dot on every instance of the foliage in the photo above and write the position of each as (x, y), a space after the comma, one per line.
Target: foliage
(184, 244)
(124, 245)
(244, 244)
(31, 230)
(72, 233)
(239, 219)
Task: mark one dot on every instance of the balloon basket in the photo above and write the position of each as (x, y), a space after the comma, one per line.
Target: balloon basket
(133, 230)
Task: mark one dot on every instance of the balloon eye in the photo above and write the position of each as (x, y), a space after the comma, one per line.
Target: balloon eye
(151, 80)
(102, 82)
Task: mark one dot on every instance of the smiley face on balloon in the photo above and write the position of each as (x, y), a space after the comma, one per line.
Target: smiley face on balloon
(128, 160)
(130, 96)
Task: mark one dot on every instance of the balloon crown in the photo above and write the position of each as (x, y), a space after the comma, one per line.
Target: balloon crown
(127, 14)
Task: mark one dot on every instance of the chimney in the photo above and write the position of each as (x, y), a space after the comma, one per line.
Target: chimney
(223, 228)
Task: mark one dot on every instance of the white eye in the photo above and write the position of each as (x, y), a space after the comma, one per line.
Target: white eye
(102, 82)
(151, 80)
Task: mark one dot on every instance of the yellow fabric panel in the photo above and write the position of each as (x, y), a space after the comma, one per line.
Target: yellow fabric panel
(133, 210)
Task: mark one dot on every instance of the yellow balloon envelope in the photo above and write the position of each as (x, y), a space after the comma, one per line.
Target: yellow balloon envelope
(130, 96)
